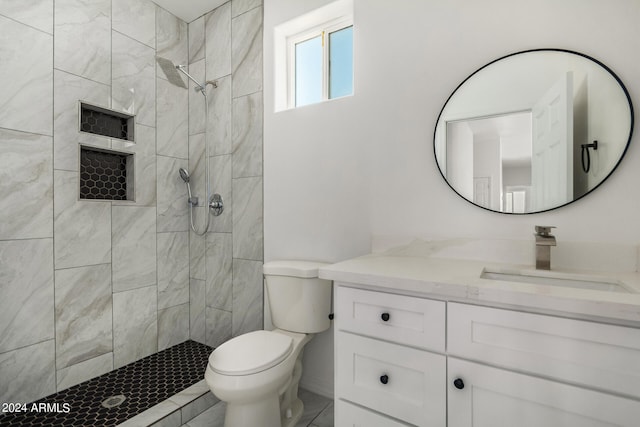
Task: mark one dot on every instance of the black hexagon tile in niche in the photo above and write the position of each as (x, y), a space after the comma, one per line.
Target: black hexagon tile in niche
(103, 124)
(103, 171)
(145, 383)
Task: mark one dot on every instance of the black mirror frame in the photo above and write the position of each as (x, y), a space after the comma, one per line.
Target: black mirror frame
(624, 152)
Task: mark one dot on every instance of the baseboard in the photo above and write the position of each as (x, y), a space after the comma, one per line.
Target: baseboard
(318, 385)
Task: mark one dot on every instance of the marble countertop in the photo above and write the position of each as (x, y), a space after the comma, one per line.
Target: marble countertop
(459, 280)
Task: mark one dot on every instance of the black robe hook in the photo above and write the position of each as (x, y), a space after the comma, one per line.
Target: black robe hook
(585, 149)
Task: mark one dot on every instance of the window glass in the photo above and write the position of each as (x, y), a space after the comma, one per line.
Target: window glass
(341, 63)
(308, 72)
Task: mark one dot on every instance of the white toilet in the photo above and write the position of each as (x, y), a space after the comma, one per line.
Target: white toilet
(257, 373)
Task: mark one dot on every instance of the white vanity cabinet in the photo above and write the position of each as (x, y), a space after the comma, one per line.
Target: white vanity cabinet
(389, 359)
(408, 360)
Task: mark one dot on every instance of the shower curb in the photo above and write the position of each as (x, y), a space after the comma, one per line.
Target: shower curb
(177, 410)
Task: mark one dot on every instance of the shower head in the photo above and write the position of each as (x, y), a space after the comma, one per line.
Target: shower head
(171, 71)
(184, 175)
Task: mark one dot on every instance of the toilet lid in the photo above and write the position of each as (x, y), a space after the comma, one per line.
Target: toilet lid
(250, 353)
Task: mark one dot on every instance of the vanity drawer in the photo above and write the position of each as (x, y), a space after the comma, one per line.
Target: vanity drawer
(348, 415)
(403, 382)
(417, 322)
(593, 354)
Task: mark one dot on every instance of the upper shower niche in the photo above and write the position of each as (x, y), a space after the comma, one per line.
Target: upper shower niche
(105, 122)
(533, 131)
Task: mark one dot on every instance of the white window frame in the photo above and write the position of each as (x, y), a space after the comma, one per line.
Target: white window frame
(330, 18)
(322, 31)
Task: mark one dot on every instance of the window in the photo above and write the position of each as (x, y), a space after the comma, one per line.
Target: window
(314, 56)
(321, 65)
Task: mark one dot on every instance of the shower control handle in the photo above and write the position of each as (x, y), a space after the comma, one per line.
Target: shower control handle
(216, 204)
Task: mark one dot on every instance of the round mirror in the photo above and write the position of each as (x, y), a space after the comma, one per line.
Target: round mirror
(533, 131)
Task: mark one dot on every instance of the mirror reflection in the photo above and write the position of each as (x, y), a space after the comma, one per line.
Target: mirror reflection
(533, 131)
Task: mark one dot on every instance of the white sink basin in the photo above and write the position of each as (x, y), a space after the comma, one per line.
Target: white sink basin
(555, 279)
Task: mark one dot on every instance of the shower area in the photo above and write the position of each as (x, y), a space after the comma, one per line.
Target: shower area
(90, 285)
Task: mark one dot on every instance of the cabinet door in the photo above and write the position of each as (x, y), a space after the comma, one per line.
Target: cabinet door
(494, 397)
(348, 415)
(403, 382)
(595, 355)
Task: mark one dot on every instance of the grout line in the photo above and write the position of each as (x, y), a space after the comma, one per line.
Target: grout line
(53, 192)
(31, 26)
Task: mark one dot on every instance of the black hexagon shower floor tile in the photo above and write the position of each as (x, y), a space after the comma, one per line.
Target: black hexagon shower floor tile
(116, 396)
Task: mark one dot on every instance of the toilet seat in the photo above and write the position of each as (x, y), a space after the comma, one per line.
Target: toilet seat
(250, 353)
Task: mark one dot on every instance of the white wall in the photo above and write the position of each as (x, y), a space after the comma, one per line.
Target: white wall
(339, 173)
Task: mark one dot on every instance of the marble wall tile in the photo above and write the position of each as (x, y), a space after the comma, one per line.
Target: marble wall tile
(197, 246)
(219, 134)
(221, 183)
(26, 185)
(247, 218)
(133, 78)
(247, 135)
(173, 207)
(218, 326)
(28, 373)
(197, 100)
(173, 326)
(246, 52)
(172, 41)
(135, 325)
(247, 296)
(196, 40)
(83, 38)
(219, 270)
(134, 247)
(82, 229)
(83, 314)
(173, 269)
(26, 286)
(136, 19)
(218, 41)
(197, 307)
(173, 120)
(26, 71)
(84, 371)
(197, 167)
(35, 13)
(241, 6)
(68, 90)
(145, 176)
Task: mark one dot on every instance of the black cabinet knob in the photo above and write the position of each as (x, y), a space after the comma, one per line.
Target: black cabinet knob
(458, 383)
(384, 379)
(385, 316)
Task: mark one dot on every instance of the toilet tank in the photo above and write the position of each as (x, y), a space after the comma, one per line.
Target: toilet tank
(299, 301)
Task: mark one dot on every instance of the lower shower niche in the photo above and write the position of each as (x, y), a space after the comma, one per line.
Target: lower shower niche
(106, 174)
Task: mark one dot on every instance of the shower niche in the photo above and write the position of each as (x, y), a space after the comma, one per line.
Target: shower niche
(106, 174)
(104, 122)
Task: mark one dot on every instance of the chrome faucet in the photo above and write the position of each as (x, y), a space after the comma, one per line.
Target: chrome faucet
(544, 241)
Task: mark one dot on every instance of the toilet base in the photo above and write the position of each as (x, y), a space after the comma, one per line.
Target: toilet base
(264, 413)
(296, 413)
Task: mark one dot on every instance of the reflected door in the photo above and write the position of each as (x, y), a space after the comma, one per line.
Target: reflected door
(552, 160)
